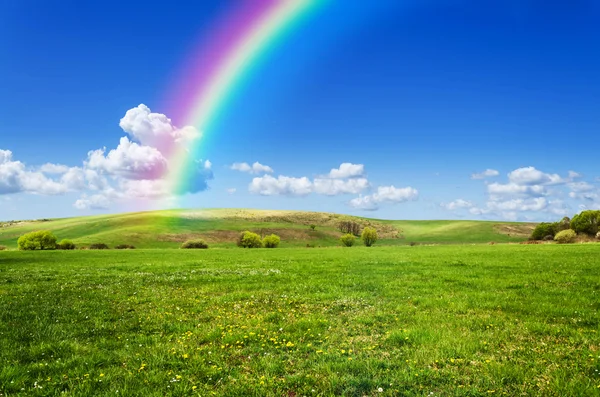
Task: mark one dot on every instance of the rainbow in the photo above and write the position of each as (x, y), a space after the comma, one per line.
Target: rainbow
(219, 65)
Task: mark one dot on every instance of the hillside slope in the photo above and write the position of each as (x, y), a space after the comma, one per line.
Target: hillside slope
(220, 227)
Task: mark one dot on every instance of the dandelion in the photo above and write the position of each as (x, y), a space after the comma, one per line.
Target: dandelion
(380, 390)
(101, 375)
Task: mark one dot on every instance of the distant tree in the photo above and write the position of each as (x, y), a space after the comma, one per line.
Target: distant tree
(348, 240)
(586, 222)
(65, 245)
(124, 247)
(542, 230)
(271, 241)
(563, 224)
(195, 244)
(248, 239)
(40, 240)
(565, 236)
(369, 236)
(349, 227)
(98, 246)
(313, 227)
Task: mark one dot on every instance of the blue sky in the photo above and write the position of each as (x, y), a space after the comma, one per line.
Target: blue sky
(418, 99)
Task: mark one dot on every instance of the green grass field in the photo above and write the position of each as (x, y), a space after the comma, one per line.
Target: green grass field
(220, 227)
(420, 321)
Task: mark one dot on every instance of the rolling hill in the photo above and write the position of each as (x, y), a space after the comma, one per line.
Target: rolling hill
(220, 228)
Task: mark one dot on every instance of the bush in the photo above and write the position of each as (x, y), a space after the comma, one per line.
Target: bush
(42, 240)
(124, 247)
(98, 246)
(271, 241)
(542, 230)
(548, 238)
(195, 244)
(248, 239)
(369, 236)
(586, 222)
(65, 245)
(348, 240)
(565, 237)
(3, 248)
(313, 227)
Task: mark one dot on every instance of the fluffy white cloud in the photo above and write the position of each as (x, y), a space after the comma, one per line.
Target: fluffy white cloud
(512, 189)
(282, 185)
(535, 204)
(574, 175)
(15, 178)
(457, 204)
(129, 160)
(528, 176)
(485, 174)
(347, 170)
(579, 187)
(94, 202)
(256, 168)
(389, 194)
(155, 129)
(333, 187)
(50, 168)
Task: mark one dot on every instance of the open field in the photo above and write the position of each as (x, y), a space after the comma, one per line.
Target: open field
(448, 320)
(220, 228)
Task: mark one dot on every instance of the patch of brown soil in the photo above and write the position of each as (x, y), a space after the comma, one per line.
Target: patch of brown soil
(522, 230)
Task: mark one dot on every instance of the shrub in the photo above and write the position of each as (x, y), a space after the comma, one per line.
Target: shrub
(565, 237)
(65, 245)
(586, 222)
(271, 241)
(313, 227)
(124, 247)
(3, 248)
(348, 240)
(98, 246)
(195, 244)
(542, 230)
(548, 238)
(248, 239)
(42, 240)
(369, 236)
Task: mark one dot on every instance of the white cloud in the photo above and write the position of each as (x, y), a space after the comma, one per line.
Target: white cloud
(457, 204)
(15, 178)
(256, 168)
(512, 189)
(94, 202)
(333, 187)
(231, 190)
(129, 160)
(155, 129)
(528, 176)
(50, 168)
(535, 204)
(581, 187)
(574, 175)
(485, 174)
(384, 194)
(347, 170)
(282, 185)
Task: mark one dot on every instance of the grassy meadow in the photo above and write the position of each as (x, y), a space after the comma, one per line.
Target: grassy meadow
(221, 227)
(469, 320)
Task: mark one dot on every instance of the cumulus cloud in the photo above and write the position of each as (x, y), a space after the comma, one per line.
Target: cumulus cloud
(512, 189)
(333, 187)
(129, 160)
(457, 204)
(528, 176)
(256, 168)
(485, 174)
(94, 202)
(155, 129)
(384, 194)
(282, 185)
(50, 168)
(16, 178)
(347, 170)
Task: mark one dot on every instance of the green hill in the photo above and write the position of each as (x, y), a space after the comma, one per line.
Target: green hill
(220, 227)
